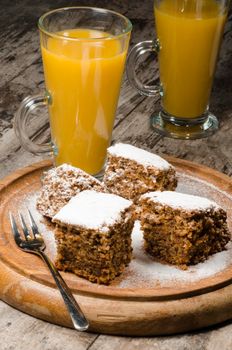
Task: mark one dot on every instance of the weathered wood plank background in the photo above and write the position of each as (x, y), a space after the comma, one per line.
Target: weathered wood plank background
(22, 75)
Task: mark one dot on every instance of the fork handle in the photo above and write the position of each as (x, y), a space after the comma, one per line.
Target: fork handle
(78, 319)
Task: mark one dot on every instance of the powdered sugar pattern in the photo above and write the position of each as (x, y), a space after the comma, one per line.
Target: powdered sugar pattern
(143, 271)
(152, 274)
(93, 210)
(139, 155)
(181, 200)
(62, 183)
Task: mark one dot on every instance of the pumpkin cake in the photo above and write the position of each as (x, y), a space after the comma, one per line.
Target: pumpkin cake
(60, 184)
(181, 229)
(132, 171)
(93, 236)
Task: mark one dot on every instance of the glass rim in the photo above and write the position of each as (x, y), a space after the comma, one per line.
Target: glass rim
(101, 10)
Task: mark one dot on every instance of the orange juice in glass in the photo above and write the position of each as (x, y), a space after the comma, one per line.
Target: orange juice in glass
(189, 34)
(83, 52)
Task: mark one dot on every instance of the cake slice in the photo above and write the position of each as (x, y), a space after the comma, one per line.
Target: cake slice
(132, 171)
(182, 229)
(93, 236)
(60, 184)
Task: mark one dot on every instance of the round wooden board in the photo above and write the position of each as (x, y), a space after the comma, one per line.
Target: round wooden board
(124, 309)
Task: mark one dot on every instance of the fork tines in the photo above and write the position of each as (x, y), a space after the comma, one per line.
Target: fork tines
(34, 227)
(14, 228)
(25, 230)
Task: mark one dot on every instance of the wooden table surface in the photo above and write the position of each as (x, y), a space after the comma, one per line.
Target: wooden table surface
(21, 75)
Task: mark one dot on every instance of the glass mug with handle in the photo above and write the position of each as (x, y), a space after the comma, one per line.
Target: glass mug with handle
(189, 34)
(83, 52)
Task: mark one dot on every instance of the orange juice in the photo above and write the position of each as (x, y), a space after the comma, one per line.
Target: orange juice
(83, 77)
(189, 33)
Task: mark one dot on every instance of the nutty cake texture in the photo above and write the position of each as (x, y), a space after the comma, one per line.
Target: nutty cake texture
(181, 229)
(132, 171)
(93, 236)
(60, 184)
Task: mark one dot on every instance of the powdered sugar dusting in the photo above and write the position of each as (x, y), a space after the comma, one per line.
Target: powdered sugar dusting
(150, 273)
(67, 175)
(93, 210)
(193, 185)
(143, 271)
(181, 200)
(138, 155)
(62, 183)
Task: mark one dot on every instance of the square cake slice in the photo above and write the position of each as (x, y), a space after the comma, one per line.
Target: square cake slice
(131, 171)
(182, 229)
(93, 236)
(60, 184)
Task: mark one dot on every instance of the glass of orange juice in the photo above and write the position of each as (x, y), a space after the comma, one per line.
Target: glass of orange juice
(83, 51)
(189, 34)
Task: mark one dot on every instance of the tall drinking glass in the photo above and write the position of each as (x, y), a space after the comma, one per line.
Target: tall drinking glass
(83, 52)
(189, 33)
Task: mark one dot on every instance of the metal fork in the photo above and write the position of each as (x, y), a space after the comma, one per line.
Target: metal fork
(35, 244)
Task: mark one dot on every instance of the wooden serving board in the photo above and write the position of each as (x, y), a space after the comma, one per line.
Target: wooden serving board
(133, 304)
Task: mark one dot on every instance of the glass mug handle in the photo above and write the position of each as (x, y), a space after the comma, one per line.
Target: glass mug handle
(136, 52)
(21, 118)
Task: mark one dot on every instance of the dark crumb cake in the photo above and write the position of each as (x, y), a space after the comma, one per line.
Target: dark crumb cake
(93, 236)
(131, 171)
(60, 184)
(182, 229)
